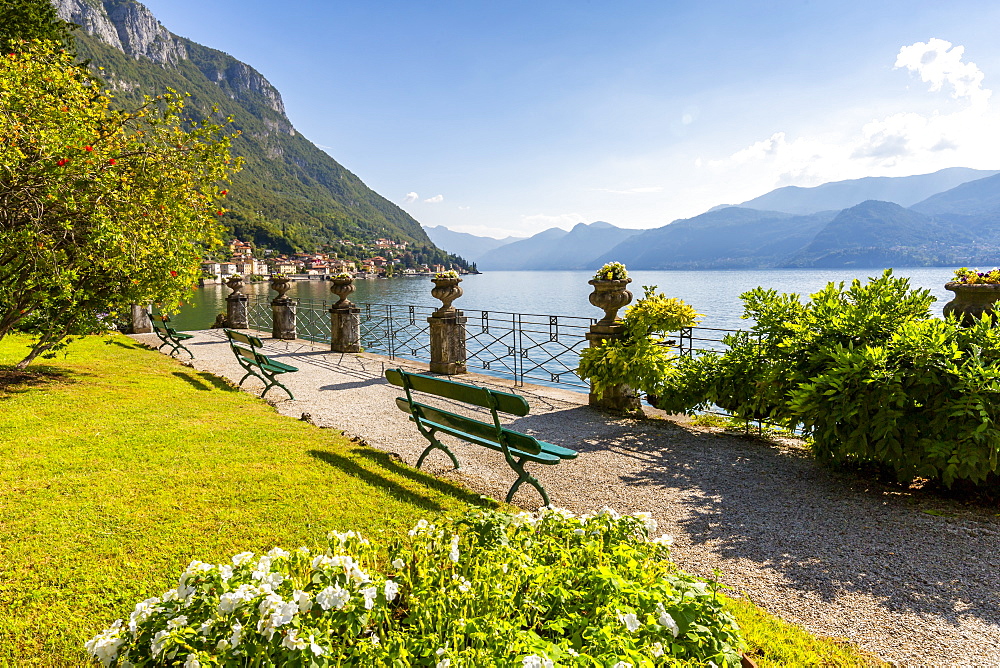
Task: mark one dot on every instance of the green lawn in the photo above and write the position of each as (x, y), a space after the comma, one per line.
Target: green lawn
(119, 465)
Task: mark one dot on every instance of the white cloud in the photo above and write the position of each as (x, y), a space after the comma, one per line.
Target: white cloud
(435, 200)
(901, 143)
(631, 191)
(464, 208)
(938, 63)
(411, 197)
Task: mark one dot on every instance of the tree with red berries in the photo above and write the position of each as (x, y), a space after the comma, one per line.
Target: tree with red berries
(99, 208)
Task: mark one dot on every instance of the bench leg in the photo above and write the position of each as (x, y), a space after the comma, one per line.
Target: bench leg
(436, 445)
(249, 373)
(524, 476)
(271, 382)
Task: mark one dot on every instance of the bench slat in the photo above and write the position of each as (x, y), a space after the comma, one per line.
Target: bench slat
(241, 337)
(449, 389)
(466, 425)
(541, 457)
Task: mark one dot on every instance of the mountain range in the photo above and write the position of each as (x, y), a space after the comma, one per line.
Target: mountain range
(290, 195)
(953, 218)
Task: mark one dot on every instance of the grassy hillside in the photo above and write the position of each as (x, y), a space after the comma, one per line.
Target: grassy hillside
(290, 194)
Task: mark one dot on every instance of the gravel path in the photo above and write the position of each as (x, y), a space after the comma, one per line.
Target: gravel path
(839, 556)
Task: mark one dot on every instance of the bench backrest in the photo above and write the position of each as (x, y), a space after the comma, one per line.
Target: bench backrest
(247, 353)
(505, 402)
(471, 426)
(240, 337)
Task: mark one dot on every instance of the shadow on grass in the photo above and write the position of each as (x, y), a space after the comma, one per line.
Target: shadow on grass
(398, 491)
(18, 381)
(205, 381)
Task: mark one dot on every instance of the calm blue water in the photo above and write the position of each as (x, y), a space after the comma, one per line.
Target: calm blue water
(715, 294)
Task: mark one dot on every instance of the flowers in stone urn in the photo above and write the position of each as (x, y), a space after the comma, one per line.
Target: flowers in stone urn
(976, 277)
(612, 271)
(343, 286)
(280, 283)
(610, 291)
(447, 289)
(976, 295)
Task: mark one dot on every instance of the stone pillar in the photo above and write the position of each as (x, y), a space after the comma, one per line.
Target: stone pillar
(236, 305)
(620, 398)
(140, 320)
(448, 343)
(283, 318)
(345, 329)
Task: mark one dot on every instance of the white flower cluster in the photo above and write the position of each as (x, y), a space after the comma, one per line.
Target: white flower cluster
(257, 588)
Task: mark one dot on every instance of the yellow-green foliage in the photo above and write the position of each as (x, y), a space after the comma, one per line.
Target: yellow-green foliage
(639, 360)
(118, 466)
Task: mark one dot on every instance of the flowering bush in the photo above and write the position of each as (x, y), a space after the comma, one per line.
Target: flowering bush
(342, 276)
(612, 271)
(966, 275)
(446, 274)
(481, 590)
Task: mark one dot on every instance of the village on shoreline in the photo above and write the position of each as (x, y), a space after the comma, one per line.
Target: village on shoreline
(390, 261)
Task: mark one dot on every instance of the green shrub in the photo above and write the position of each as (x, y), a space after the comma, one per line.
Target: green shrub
(866, 372)
(485, 589)
(640, 359)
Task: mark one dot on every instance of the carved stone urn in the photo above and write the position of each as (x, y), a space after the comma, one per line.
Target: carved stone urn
(972, 301)
(281, 285)
(610, 296)
(447, 290)
(342, 287)
(235, 283)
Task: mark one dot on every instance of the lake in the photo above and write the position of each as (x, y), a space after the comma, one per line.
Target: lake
(715, 294)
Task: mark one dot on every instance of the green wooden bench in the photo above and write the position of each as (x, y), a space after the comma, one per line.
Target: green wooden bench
(517, 448)
(168, 335)
(256, 363)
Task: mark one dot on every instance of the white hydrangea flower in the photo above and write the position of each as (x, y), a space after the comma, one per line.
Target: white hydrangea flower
(666, 540)
(170, 595)
(398, 564)
(443, 663)
(177, 622)
(273, 580)
(156, 644)
(421, 526)
(314, 648)
(535, 661)
(262, 569)
(142, 611)
(630, 621)
(226, 571)
(391, 589)
(106, 645)
(303, 599)
(242, 558)
(374, 639)
(647, 521)
(656, 649)
(623, 664)
(237, 635)
(321, 560)
(277, 552)
(192, 662)
(293, 641)
(610, 512)
(333, 597)
(666, 620)
(206, 626)
(369, 593)
(453, 553)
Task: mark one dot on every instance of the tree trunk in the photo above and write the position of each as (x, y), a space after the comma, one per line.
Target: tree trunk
(43, 346)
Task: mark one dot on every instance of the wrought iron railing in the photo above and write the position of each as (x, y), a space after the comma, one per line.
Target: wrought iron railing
(543, 349)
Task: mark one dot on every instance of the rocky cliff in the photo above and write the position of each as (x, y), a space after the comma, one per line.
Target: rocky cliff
(290, 194)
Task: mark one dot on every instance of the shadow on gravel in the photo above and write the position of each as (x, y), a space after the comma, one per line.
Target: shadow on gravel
(403, 493)
(825, 532)
(354, 384)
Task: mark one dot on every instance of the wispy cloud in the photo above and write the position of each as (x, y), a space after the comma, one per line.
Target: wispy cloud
(540, 221)
(906, 141)
(435, 200)
(411, 197)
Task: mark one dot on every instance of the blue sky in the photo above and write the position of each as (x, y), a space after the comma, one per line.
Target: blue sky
(500, 117)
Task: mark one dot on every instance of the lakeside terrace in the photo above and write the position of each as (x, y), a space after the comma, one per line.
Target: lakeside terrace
(840, 556)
